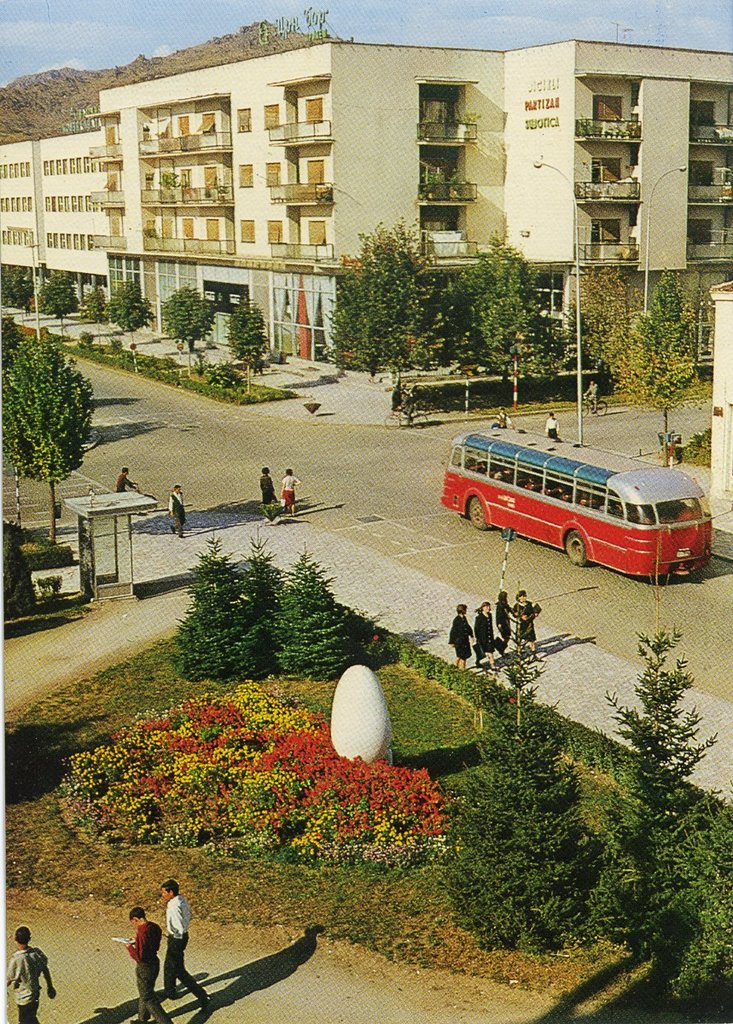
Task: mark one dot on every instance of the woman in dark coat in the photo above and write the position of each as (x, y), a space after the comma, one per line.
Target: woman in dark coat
(460, 636)
(267, 487)
(503, 615)
(483, 629)
(525, 613)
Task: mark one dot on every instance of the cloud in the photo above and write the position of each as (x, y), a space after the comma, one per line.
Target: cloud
(162, 51)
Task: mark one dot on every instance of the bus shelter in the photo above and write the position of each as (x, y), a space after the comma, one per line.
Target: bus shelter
(105, 541)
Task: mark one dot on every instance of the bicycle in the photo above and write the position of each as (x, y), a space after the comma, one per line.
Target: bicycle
(600, 410)
(406, 418)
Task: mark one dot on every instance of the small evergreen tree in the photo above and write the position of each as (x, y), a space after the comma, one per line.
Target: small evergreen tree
(19, 596)
(208, 640)
(93, 309)
(187, 316)
(128, 309)
(57, 297)
(248, 336)
(311, 627)
(261, 586)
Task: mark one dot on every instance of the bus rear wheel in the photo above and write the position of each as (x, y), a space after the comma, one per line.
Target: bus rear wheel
(476, 517)
(575, 548)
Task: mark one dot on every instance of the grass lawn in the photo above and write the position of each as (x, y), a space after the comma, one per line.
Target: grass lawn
(403, 914)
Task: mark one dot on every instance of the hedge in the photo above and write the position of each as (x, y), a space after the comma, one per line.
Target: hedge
(493, 392)
(40, 553)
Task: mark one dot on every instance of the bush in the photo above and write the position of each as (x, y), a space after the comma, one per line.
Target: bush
(697, 450)
(47, 587)
(40, 553)
(115, 344)
(19, 596)
(86, 339)
(222, 375)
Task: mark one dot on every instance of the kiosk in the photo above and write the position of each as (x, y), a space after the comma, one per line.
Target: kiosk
(105, 541)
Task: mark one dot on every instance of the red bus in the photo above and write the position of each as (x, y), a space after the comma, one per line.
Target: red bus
(598, 506)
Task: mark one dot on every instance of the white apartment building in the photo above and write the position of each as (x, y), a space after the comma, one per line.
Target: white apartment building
(721, 464)
(255, 179)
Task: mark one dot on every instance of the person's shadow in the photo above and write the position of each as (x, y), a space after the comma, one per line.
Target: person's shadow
(241, 982)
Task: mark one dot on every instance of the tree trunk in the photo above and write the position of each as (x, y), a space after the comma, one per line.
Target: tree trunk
(666, 421)
(249, 375)
(52, 510)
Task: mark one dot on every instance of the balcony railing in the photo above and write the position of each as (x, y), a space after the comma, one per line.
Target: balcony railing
(108, 198)
(211, 196)
(444, 192)
(301, 131)
(710, 193)
(109, 241)
(447, 131)
(296, 251)
(203, 246)
(606, 191)
(717, 134)
(587, 128)
(609, 252)
(447, 245)
(320, 192)
(112, 151)
(186, 144)
(710, 251)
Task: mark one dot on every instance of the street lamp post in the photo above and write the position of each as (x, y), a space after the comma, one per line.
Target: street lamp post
(578, 339)
(647, 247)
(33, 246)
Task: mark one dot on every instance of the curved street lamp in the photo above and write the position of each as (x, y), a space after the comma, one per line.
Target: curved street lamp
(578, 340)
(647, 247)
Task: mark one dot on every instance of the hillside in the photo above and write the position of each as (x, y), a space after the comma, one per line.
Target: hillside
(36, 106)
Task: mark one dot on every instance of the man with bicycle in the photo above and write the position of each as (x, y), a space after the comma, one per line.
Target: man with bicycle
(591, 397)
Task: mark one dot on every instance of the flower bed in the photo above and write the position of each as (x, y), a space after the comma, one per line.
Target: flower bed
(251, 771)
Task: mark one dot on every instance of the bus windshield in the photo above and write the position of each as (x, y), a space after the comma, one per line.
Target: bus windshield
(681, 510)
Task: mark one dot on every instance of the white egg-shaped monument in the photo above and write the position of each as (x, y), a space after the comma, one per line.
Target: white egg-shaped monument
(360, 725)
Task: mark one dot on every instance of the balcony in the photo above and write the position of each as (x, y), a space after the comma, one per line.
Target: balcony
(609, 252)
(108, 198)
(447, 245)
(447, 192)
(710, 193)
(623, 131)
(297, 194)
(447, 131)
(607, 191)
(710, 251)
(186, 144)
(112, 151)
(298, 132)
(296, 251)
(195, 246)
(109, 241)
(712, 134)
(212, 196)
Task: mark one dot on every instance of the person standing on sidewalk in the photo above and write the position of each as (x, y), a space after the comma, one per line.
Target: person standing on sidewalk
(503, 615)
(552, 427)
(176, 510)
(483, 630)
(144, 951)
(177, 920)
(267, 487)
(287, 492)
(525, 613)
(460, 636)
(25, 969)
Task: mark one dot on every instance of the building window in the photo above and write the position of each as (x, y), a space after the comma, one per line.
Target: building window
(272, 115)
(246, 175)
(605, 231)
(702, 112)
(701, 172)
(605, 168)
(317, 232)
(316, 170)
(274, 231)
(184, 125)
(121, 269)
(550, 288)
(607, 108)
(700, 232)
(208, 124)
(314, 109)
(244, 119)
(272, 172)
(45, 167)
(247, 230)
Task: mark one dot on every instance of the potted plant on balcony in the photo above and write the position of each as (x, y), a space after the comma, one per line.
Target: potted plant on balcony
(168, 183)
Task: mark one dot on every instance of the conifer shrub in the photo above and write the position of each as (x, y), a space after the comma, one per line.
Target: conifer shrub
(19, 596)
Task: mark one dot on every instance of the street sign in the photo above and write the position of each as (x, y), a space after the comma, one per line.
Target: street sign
(508, 534)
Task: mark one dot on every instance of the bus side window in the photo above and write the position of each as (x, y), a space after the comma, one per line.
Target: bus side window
(456, 457)
(614, 506)
(558, 487)
(589, 497)
(473, 459)
(530, 479)
(501, 469)
(642, 514)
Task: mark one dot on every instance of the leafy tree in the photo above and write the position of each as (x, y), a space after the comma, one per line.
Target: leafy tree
(93, 308)
(526, 862)
(380, 312)
(208, 640)
(128, 309)
(607, 306)
(248, 336)
(47, 412)
(17, 286)
(187, 316)
(12, 339)
(57, 297)
(19, 596)
(657, 366)
(311, 628)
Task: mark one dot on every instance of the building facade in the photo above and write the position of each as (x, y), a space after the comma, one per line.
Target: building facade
(721, 464)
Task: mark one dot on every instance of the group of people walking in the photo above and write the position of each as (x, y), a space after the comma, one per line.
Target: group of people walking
(491, 635)
(287, 489)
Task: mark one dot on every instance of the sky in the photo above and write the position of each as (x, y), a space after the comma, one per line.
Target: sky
(36, 35)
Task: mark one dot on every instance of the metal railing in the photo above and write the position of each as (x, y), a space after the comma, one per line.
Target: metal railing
(710, 193)
(208, 196)
(447, 131)
(717, 134)
(186, 143)
(205, 246)
(445, 192)
(459, 250)
(603, 191)
(109, 241)
(710, 250)
(108, 198)
(320, 192)
(112, 151)
(296, 251)
(588, 128)
(609, 252)
(301, 131)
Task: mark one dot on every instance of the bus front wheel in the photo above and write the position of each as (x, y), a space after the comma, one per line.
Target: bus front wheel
(575, 548)
(476, 515)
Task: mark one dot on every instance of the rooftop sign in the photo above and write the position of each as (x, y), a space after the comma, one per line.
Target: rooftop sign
(315, 26)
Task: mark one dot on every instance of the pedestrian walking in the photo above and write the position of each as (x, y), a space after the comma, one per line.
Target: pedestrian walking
(552, 427)
(483, 631)
(503, 615)
(124, 483)
(26, 967)
(144, 951)
(287, 492)
(267, 487)
(460, 636)
(525, 613)
(177, 920)
(176, 510)
(396, 397)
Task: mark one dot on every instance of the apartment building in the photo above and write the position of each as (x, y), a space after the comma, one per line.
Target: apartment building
(256, 179)
(19, 193)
